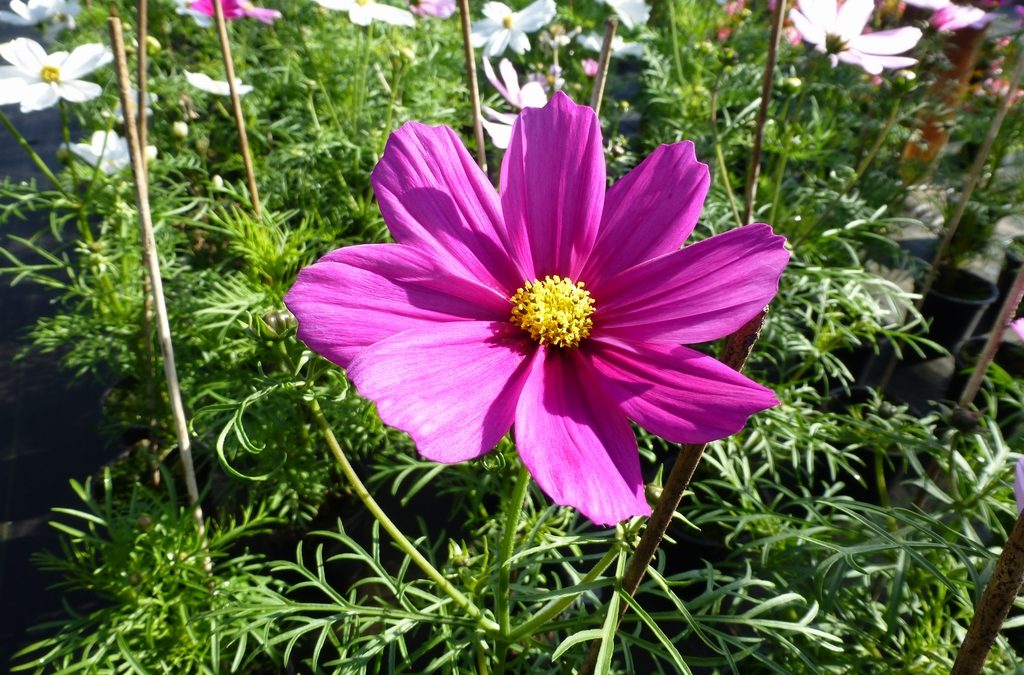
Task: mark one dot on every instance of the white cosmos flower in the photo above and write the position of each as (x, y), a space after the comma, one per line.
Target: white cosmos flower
(56, 14)
(364, 12)
(632, 12)
(218, 87)
(37, 80)
(620, 48)
(200, 18)
(108, 151)
(502, 28)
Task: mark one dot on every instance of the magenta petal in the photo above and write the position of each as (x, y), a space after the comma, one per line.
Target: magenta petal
(576, 443)
(702, 292)
(676, 392)
(453, 387)
(433, 196)
(359, 295)
(650, 212)
(552, 187)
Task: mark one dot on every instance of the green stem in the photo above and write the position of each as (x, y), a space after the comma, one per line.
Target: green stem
(720, 156)
(559, 605)
(403, 543)
(780, 166)
(36, 159)
(501, 598)
(66, 131)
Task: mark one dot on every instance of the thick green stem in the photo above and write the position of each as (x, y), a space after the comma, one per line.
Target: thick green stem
(515, 508)
(36, 159)
(403, 542)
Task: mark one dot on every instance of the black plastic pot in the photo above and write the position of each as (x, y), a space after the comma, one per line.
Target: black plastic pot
(955, 310)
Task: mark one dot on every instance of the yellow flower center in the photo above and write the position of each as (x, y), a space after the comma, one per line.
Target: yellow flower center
(554, 311)
(50, 74)
(507, 21)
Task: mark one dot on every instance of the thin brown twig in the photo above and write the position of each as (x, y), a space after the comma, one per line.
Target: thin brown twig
(754, 169)
(601, 79)
(735, 353)
(142, 35)
(474, 84)
(153, 268)
(236, 105)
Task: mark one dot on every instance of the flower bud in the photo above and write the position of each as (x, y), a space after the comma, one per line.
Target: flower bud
(276, 324)
(144, 522)
(791, 85)
(180, 130)
(153, 45)
(904, 80)
(217, 182)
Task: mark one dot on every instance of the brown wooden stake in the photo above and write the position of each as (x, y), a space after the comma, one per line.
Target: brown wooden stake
(597, 95)
(138, 158)
(1006, 314)
(236, 105)
(474, 84)
(142, 30)
(737, 349)
(754, 170)
(996, 601)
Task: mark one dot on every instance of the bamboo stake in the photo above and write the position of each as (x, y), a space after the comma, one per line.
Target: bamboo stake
(142, 30)
(236, 105)
(737, 350)
(474, 84)
(754, 170)
(1006, 314)
(153, 268)
(597, 95)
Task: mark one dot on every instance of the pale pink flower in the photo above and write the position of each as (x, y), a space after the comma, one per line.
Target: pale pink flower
(948, 17)
(441, 9)
(1018, 485)
(236, 9)
(1018, 327)
(590, 67)
(839, 33)
(529, 95)
(554, 304)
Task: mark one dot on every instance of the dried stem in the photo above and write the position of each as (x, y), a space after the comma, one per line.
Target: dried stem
(737, 350)
(236, 105)
(1006, 313)
(754, 170)
(474, 85)
(597, 95)
(153, 268)
(989, 615)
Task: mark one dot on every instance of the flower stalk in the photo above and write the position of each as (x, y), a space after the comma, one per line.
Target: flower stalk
(32, 154)
(735, 354)
(142, 35)
(754, 170)
(389, 526)
(474, 84)
(236, 105)
(601, 79)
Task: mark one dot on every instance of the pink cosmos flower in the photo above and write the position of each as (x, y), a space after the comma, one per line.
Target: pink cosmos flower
(236, 9)
(441, 9)
(590, 67)
(553, 305)
(1018, 327)
(839, 32)
(954, 17)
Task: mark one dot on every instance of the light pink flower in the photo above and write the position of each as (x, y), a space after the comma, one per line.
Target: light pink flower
(839, 32)
(590, 67)
(1018, 327)
(1018, 485)
(555, 305)
(442, 9)
(236, 9)
(949, 17)
(530, 95)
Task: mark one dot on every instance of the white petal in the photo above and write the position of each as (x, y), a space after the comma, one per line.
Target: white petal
(493, 79)
(537, 15)
(38, 96)
(532, 96)
(632, 12)
(811, 32)
(497, 43)
(360, 15)
(85, 59)
(887, 42)
(496, 12)
(340, 5)
(24, 54)
(508, 74)
(822, 13)
(852, 17)
(391, 15)
(519, 42)
(12, 90)
(77, 91)
(14, 19)
(501, 134)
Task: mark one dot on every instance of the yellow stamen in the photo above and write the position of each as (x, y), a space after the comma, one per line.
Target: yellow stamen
(554, 311)
(50, 74)
(507, 21)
